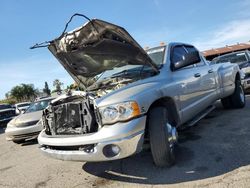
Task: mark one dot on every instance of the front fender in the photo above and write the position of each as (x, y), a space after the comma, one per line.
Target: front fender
(144, 94)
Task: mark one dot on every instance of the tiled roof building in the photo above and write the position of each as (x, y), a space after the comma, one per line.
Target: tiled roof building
(212, 53)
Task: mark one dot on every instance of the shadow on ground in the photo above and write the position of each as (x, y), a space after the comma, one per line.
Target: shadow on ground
(216, 145)
(29, 142)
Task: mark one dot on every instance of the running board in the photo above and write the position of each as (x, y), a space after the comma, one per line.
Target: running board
(199, 116)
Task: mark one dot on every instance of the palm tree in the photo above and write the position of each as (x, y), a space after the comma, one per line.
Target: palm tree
(46, 89)
(57, 84)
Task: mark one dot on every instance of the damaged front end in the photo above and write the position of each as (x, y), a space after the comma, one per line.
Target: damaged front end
(74, 131)
(71, 115)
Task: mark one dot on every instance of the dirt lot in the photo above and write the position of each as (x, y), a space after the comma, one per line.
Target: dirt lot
(214, 153)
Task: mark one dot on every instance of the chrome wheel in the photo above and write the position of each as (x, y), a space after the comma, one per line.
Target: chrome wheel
(162, 137)
(242, 95)
(172, 135)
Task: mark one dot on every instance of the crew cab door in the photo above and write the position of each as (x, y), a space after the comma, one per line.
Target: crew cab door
(208, 82)
(195, 81)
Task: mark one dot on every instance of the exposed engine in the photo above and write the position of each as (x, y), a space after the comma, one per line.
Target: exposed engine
(72, 115)
(75, 114)
(111, 85)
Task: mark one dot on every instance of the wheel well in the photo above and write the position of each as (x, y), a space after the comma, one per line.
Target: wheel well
(169, 103)
(237, 77)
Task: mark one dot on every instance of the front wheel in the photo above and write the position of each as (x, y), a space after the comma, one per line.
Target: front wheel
(162, 137)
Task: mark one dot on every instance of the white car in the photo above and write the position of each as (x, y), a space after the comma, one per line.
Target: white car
(21, 107)
(27, 126)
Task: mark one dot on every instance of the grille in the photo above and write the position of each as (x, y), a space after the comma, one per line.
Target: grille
(22, 136)
(7, 114)
(67, 119)
(73, 119)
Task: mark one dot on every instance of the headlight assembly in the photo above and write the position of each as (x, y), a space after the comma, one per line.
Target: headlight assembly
(119, 112)
(26, 124)
(10, 125)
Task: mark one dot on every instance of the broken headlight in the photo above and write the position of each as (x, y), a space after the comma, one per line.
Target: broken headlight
(119, 112)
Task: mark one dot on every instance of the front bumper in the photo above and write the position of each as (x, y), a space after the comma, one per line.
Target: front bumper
(127, 136)
(22, 133)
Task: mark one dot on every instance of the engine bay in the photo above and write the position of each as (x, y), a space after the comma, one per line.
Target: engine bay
(73, 115)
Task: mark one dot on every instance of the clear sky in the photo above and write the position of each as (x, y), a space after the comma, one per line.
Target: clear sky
(206, 24)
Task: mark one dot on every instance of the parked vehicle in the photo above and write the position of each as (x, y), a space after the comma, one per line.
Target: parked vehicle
(27, 126)
(7, 112)
(21, 107)
(242, 58)
(131, 95)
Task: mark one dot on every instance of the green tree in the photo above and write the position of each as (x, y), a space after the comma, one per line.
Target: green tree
(23, 92)
(73, 86)
(57, 84)
(46, 89)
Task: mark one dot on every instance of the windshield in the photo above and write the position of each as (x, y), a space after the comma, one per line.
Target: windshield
(156, 54)
(5, 106)
(37, 106)
(233, 58)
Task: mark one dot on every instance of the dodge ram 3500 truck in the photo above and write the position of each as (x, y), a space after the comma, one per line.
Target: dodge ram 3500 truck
(130, 95)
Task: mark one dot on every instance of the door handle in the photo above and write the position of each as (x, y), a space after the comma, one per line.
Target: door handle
(197, 75)
(210, 71)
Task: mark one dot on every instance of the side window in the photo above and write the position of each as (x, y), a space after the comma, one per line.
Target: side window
(178, 54)
(192, 49)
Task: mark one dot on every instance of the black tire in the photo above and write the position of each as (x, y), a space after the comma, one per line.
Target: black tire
(163, 154)
(237, 99)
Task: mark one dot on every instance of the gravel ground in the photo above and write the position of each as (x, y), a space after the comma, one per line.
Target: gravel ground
(214, 153)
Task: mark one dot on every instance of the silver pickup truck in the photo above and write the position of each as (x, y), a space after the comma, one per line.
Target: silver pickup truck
(131, 95)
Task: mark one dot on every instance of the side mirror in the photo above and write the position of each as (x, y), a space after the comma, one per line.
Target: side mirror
(189, 59)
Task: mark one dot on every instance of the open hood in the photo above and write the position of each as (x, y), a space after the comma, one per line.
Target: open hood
(96, 47)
